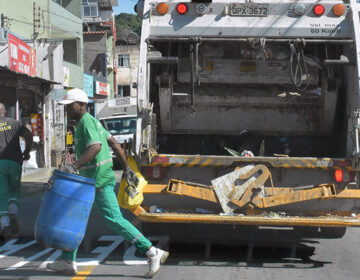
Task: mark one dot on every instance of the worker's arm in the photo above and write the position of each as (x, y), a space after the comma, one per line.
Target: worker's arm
(87, 156)
(119, 152)
(130, 176)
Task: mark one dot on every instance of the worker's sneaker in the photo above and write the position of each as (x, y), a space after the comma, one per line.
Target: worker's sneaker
(156, 258)
(14, 226)
(63, 266)
(6, 233)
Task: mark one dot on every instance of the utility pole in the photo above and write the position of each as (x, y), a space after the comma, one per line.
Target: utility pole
(36, 21)
(4, 20)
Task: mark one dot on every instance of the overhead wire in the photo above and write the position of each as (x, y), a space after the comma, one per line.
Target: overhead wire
(61, 16)
(45, 26)
(95, 50)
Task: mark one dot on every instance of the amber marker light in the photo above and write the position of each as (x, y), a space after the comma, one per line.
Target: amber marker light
(318, 9)
(338, 10)
(181, 8)
(162, 8)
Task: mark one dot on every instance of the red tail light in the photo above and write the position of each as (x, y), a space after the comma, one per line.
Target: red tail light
(339, 175)
(318, 9)
(181, 8)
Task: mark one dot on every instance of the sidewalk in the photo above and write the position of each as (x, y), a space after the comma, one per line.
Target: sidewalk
(33, 180)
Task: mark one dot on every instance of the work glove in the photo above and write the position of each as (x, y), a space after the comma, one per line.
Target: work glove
(131, 177)
(69, 169)
(26, 156)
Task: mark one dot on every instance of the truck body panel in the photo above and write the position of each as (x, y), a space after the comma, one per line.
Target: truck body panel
(274, 80)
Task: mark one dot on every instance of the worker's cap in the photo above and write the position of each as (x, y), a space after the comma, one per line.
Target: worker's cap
(74, 95)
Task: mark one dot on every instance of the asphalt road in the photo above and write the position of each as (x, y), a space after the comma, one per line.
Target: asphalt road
(110, 258)
(207, 254)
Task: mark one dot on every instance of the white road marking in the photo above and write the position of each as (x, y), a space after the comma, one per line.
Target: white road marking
(129, 257)
(9, 248)
(104, 251)
(27, 260)
(50, 259)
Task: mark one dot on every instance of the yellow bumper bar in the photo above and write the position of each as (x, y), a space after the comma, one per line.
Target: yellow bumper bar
(249, 220)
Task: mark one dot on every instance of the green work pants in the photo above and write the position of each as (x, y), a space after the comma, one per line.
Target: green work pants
(106, 203)
(10, 183)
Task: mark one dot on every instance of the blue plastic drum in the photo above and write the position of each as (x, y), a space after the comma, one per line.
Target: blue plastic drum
(64, 211)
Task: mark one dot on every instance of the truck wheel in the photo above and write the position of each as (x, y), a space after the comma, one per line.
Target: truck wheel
(333, 232)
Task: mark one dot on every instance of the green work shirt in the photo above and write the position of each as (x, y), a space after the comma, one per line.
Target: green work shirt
(89, 131)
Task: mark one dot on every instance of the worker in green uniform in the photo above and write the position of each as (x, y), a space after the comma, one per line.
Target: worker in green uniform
(11, 159)
(94, 161)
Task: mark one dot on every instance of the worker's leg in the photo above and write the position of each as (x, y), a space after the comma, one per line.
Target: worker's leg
(106, 202)
(4, 194)
(71, 256)
(14, 179)
(14, 186)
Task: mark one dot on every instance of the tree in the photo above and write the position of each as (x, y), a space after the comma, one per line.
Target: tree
(128, 21)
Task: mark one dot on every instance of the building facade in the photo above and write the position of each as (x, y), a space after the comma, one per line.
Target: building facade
(127, 69)
(48, 32)
(99, 46)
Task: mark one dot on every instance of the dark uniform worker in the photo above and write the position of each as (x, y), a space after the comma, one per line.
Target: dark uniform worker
(94, 161)
(11, 159)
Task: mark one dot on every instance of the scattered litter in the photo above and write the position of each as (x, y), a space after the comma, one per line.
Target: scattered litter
(273, 214)
(294, 93)
(203, 211)
(155, 209)
(227, 214)
(232, 152)
(246, 153)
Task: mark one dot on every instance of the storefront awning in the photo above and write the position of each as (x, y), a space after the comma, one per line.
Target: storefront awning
(7, 76)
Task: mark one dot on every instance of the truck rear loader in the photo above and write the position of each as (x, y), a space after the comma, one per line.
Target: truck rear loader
(249, 113)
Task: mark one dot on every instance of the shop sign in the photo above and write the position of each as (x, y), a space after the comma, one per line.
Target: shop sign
(102, 88)
(22, 57)
(89, 85)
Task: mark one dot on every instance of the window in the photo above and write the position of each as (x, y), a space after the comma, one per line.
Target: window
(120, 126)
(72, 51)
(123, 60)
(123, 90)
(90, 8)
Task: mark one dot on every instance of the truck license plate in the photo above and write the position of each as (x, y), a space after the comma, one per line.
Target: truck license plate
(258, 10)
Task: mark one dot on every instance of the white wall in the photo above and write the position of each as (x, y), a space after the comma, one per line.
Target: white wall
(125, 75)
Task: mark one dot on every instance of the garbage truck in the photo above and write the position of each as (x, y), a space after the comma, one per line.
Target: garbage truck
(249, 113)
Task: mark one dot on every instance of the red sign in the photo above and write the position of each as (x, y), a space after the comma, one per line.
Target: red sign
(102, 88)
(22, 57)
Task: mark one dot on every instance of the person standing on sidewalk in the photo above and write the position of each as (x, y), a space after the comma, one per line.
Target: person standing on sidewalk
(11, 159)
(94, 161)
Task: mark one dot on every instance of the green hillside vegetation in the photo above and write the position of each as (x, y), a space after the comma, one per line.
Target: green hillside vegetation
(128, 21)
